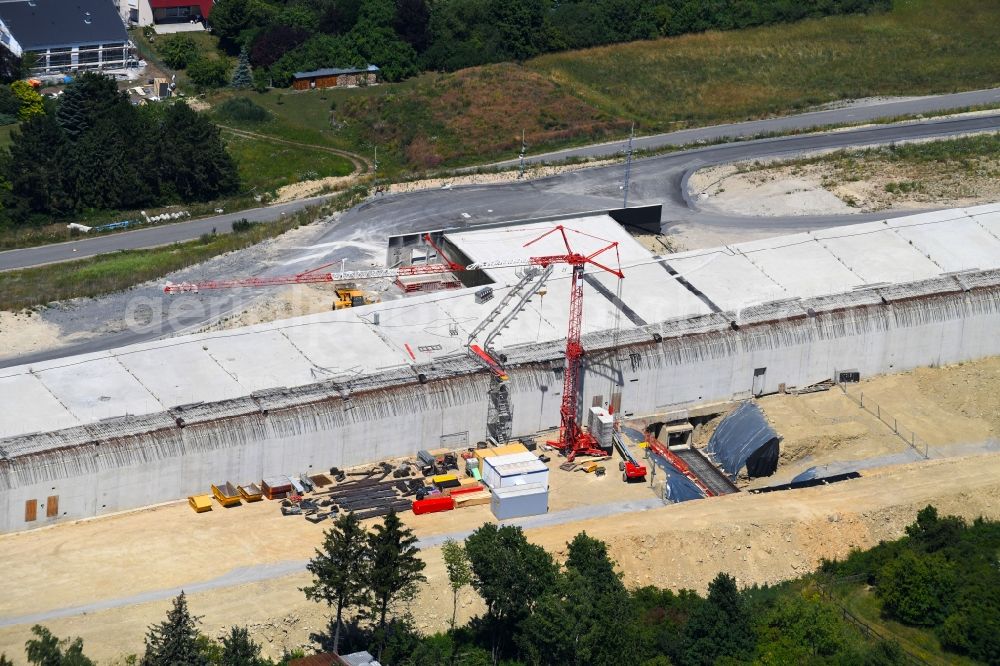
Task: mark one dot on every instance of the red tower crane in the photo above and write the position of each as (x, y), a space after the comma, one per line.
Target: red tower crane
(573, 439)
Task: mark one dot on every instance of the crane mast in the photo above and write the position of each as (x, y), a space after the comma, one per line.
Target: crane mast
(573, 439)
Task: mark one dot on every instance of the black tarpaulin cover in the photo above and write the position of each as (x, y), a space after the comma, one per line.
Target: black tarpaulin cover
(744, 438)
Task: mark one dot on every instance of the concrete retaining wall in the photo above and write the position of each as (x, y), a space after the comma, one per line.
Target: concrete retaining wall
(128, 471)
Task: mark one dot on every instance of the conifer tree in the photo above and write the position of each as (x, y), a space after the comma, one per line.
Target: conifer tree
(175, 640)
(243, 75)
(239, 650)
(340, 569)
(394, 570)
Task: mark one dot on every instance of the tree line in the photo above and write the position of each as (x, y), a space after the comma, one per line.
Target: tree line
(91, 149)
(404, 37)
(941, 576)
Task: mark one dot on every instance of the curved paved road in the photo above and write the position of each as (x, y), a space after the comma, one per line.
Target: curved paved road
(171, 233)
(656, 180)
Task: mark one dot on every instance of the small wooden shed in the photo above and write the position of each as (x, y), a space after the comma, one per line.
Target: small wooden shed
(336, 77)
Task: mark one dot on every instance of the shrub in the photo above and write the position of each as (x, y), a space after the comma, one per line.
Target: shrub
(242, 109)
(241, 225)
(208, 73)
(178, 51)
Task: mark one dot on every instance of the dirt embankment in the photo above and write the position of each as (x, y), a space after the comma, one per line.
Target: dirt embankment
(845, 183)
(757, 538)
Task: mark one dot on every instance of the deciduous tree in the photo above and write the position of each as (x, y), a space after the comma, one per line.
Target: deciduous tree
(459, 573)
(47, 650)
(208, 72)
(32, 103)
(510, 574)
(178, 51)
(916, 588)
(720, 627)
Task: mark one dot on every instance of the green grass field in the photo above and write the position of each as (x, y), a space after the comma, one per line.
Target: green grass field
(265, 166)
(921, 47)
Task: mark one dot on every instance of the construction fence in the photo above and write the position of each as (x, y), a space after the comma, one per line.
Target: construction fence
(920, 446)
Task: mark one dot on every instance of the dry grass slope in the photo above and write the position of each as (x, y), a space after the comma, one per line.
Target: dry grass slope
(921, 47)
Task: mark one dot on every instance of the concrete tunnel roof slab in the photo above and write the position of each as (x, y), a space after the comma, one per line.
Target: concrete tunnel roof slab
(202, 379)
(98, 389)
(30, 407)
(876, 253)
(801, 265)
(959, 244)
(727, 278)
(242, 354)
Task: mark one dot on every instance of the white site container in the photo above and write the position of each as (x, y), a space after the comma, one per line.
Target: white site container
(515, 469)
(520, 501)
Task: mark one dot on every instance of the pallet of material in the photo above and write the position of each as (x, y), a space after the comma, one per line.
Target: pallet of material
(321, 480)
(367, 503)
(472, 499)
(200, 503)
(250, 492)
(276, 487)
(381, 511)
(226, 494)
(457, 492)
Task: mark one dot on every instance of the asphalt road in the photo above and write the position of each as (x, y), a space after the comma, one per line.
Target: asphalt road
(655, 180)
(170, 233)
(147, 237)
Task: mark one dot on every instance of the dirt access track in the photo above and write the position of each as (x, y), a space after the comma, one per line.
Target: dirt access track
(107, 579)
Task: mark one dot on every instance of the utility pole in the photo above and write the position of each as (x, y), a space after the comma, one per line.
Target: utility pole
(628, 165)
(523, 149)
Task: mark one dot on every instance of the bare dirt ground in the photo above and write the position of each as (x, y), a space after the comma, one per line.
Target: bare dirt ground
(757, 538)
(844, 184)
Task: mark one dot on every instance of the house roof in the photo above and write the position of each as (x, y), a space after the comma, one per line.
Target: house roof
(40, 24)
(334, 71)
